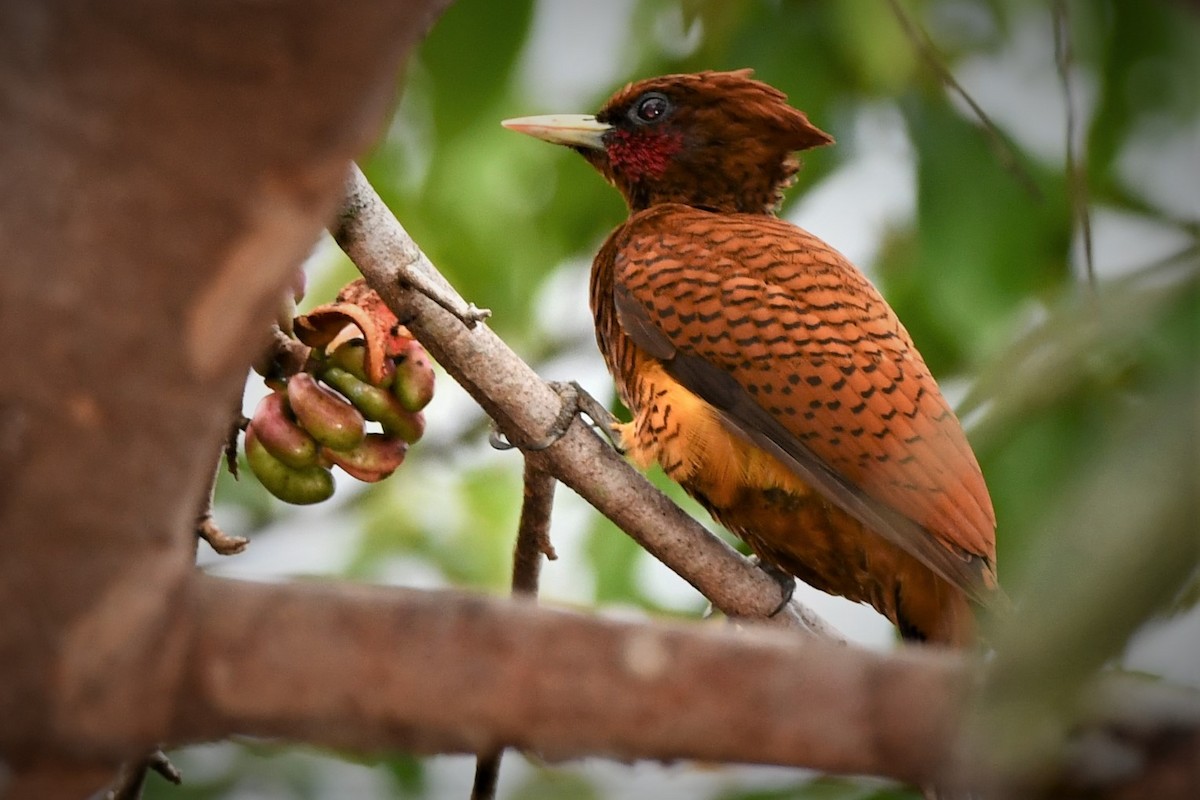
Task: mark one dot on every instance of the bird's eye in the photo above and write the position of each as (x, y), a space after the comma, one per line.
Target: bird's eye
(651, 108)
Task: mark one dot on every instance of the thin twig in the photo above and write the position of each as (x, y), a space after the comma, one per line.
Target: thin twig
(487, 775)
(284, 356)
(131, 777)
(206, 526)
(413, 270)
(533, 542)
(1077, 182)
(533, 533)
(999, 142)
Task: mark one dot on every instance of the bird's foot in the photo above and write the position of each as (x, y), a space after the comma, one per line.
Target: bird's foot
(787, 583)
(574, 401)
(603, 421)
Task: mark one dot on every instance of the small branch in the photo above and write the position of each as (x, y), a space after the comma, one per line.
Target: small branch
(231, 444)
(206, 527)
(999, 142)
(131, 778)
(284, 356)
(525, 407)
(533, 541)
(487, 775)
(412, 268)
(220, 541)
(533, 533)
(1077, 181)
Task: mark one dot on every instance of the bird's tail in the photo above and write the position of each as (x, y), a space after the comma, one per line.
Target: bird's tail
(932, 611)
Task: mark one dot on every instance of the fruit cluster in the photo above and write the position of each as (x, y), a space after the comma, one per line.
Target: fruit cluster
(363, 366)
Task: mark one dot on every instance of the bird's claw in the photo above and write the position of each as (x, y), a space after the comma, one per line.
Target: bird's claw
(569, 394)
(575, 401)
(787, 583)
(603, 421)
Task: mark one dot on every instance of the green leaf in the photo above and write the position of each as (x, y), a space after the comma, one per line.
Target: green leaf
(612, 556)
(469, 55)
(1147, 58)
(408, 772)
(828, 788)
(983, 247)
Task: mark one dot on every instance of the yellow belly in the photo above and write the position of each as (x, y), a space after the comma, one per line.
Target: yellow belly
(686, 436)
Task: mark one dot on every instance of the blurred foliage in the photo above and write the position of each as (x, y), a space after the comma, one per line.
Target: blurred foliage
(824, 789)
(1082, 402)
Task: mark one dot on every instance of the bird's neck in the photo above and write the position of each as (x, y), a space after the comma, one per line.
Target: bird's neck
(717, 187)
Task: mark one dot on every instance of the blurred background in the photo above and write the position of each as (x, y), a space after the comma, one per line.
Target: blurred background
(1046, 263)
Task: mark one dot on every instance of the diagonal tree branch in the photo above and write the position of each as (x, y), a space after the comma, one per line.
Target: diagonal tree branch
(525, 407)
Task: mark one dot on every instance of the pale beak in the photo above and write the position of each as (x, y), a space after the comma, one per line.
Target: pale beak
(573, 130)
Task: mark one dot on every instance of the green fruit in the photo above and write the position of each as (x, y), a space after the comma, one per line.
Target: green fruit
(378, 405)
(376, 458)
(303, 486)
(352, 357)
(413, 384)
(280, 434)
(329, 418)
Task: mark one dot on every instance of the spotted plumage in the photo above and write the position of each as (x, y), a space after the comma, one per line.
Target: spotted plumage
(765, 374)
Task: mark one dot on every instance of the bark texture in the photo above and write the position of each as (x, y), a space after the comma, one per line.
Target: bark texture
(165, 168)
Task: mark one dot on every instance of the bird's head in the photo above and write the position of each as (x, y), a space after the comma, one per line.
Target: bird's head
(718, 140)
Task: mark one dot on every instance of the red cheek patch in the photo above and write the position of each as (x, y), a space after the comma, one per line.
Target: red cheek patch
(641, 154)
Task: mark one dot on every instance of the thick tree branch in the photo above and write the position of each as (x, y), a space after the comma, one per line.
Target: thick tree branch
(525, 407)
(395, 669)
(388, 669)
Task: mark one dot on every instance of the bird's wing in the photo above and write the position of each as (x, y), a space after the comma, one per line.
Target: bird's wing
(803, 357)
